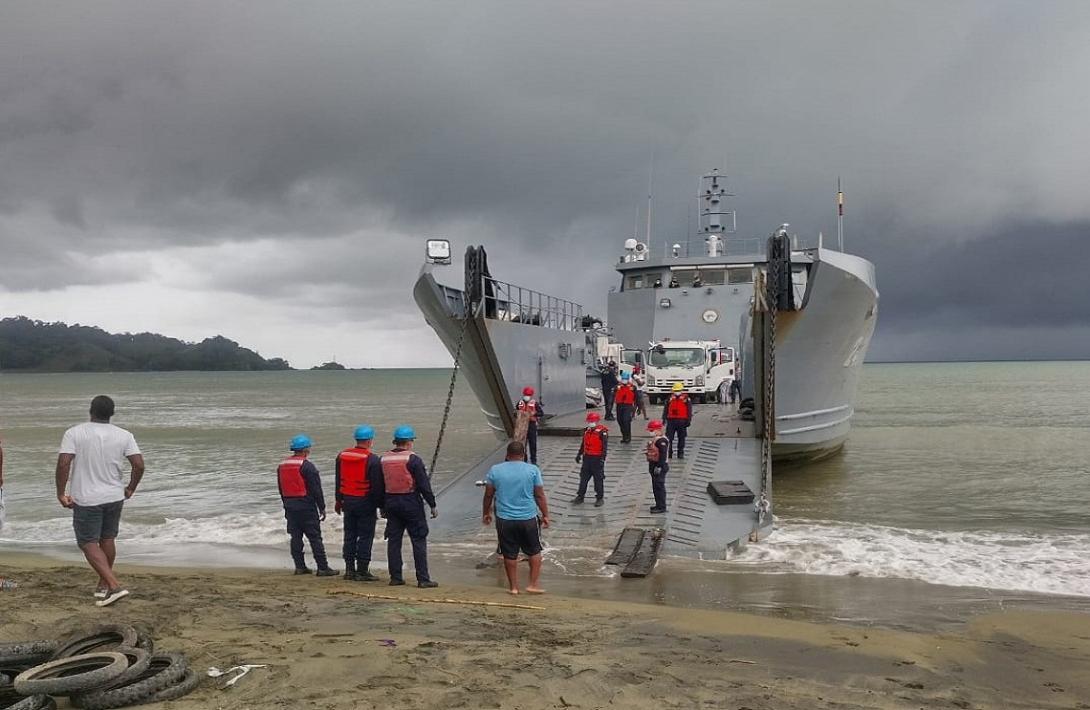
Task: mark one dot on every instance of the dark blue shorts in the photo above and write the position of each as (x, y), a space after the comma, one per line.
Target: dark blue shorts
(96, 522)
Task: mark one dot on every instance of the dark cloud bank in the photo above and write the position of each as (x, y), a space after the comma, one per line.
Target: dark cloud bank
(321, 143)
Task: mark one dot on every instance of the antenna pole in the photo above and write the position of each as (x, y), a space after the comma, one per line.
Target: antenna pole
(650, 176)
(839, 215)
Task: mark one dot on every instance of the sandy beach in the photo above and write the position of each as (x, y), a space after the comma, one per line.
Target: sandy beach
(325, 649)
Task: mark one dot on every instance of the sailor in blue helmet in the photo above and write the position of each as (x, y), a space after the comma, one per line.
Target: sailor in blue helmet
(304, 506)
(357, 494)
(405, 489)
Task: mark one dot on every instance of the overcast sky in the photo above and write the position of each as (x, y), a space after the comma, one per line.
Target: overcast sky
(269, 171)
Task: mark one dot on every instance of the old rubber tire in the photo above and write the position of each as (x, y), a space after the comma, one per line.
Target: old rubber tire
(139, 660)
(107, 637)
(185, 686)
(29, 652)
(72, 675)
(164, 670)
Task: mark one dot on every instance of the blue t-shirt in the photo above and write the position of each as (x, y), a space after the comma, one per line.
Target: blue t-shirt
(514, 482)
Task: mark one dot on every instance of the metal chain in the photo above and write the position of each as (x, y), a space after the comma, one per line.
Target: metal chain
(764, 504)
(450, 393)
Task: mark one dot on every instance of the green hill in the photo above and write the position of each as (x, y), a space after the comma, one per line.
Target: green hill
(34, 346)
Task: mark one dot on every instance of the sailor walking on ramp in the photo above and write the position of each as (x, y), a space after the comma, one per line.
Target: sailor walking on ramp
(678, 414)
(304, 506)
(357, 489)
(405, 490)
(626, 407)
(592, 454)
(534, 412)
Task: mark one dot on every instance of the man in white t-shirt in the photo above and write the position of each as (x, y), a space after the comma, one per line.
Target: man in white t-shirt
(89, 481)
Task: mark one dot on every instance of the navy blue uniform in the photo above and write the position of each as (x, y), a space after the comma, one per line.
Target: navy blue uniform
(302, 514)
(593, 467)
(405, 513)
(658, 470)
(609, 389)
(360, 513)
(531, 429)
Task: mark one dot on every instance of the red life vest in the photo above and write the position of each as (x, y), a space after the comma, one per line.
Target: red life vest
(678, 407)
(530, 406)
(653, 449)
(395, 472)
(353, 468)
(594, 440)
(626, 394)
(290, 476)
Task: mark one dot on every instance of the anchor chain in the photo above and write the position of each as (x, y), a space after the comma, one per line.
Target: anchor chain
(450, 393)
(763, 506)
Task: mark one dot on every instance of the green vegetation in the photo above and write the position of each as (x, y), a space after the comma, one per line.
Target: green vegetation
(34, 346)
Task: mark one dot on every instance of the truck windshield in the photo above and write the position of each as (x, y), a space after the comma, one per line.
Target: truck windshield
(671, 357)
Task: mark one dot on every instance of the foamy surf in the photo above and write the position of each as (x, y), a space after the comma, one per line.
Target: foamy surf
(1047, 564)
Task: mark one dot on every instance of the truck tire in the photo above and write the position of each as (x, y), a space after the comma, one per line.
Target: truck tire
(164, 670)
(100, 638)
(185, 686)
(72, 675)
(34, 702)
(29, 652)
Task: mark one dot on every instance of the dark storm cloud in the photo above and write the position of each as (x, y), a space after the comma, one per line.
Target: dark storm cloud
(331, 138)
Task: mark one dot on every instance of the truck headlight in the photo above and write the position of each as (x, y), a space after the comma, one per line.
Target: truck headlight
(650, 379)
(700, 380)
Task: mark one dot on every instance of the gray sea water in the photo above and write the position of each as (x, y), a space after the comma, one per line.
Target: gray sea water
(961, 482)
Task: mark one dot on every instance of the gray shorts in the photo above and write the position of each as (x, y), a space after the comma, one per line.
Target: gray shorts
(96, 522)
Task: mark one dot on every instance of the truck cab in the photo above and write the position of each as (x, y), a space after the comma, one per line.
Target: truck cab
(701, 366)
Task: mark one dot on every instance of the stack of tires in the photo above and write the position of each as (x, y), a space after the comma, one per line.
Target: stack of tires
(110, 666)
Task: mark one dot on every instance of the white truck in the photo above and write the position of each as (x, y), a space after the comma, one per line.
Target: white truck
(701, 366)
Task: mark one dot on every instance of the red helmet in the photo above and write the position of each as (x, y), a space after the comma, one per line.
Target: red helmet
(593, 418)
(527, 391)
(654, 425)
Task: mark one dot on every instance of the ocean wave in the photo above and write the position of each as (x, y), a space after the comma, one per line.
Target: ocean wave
(1047, 564)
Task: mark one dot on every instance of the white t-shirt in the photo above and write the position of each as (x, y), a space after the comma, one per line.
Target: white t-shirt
(101, 450)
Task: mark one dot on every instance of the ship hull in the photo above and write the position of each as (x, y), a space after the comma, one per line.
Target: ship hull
(820, 350)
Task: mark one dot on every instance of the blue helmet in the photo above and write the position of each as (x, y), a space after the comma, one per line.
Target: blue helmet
(404, 433)
(625, 375)
(300, 442)
(364, 432)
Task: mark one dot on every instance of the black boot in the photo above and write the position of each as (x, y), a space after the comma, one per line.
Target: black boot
(302, 570)
(349, 569)
(577, 500)
(363, 575)
(598, 502)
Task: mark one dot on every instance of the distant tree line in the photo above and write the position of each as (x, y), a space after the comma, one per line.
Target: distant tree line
(35, 346)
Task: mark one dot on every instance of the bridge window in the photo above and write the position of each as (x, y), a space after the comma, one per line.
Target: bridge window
(646, 280)
(714, 277)
(740, 276)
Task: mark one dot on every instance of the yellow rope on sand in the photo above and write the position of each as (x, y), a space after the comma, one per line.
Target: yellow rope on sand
(467, 602)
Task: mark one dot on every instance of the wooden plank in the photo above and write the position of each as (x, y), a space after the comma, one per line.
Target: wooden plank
(627, 545)
(646, 556)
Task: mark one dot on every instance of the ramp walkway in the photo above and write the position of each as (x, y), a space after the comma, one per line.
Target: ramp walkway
(720, 447)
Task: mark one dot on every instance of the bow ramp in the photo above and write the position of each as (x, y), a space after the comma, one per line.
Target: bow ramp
(721, 448)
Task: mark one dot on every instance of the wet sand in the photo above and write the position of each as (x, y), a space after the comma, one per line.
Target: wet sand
(347, 651)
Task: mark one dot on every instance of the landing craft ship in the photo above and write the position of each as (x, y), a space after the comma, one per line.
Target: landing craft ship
(799, 318)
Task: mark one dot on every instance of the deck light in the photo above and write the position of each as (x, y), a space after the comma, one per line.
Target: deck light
(438, 252)
(664, 303)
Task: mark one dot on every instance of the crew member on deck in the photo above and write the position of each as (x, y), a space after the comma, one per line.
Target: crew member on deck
(609, 386)
(357, 485)
(678, 414)
(658, 447)
(626, 406)
(592, 454)
(304, 506)
(405, 489)
(536, 412)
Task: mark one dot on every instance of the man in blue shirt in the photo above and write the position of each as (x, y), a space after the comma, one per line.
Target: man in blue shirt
(517, 490)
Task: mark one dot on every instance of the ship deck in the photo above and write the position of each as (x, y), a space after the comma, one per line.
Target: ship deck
(720, 447)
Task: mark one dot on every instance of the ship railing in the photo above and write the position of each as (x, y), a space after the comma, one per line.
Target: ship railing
(516, 304)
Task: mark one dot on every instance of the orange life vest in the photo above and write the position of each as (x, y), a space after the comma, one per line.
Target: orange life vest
(531, 407)
(353, 468)
(626, 394)
(395, 472)
(653, 449)
(678, 407)
(290, 476)
(593, 440)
